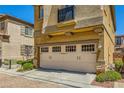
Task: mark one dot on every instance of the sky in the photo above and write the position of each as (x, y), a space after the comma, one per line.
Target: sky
(26, 12)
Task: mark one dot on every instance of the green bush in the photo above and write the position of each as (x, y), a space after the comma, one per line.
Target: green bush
(21, 62)
(27, 66)
(30, 61)
(118, 65)
(108, 76)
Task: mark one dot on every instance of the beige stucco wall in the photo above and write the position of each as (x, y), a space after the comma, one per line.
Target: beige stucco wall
(109, 35)
(11, 49)
(81, 12)
(108, 49)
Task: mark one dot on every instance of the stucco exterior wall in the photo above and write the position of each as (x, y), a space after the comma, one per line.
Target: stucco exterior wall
(108, 49)
(108, 22)
(109, 35)
(81, 12)
(64, 38)
(12, 49)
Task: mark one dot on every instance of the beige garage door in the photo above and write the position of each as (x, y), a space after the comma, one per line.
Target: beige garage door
(73, 57)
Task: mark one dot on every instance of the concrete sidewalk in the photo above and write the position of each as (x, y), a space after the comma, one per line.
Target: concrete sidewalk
(61, 77)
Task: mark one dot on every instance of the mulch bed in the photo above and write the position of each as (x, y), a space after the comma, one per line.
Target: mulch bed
(107, 84)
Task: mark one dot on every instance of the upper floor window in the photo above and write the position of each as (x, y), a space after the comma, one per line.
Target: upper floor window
(67, 6)
(2, 25)
(118, 41)
(41, 12)
(66, 13)
(28, 31)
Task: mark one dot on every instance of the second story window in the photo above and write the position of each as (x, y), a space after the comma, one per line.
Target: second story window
(2, 25)
(118, 41)
(66, 14)
(41, 12)
(28, 31)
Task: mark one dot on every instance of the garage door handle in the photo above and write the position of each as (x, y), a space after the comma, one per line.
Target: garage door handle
(78, 57)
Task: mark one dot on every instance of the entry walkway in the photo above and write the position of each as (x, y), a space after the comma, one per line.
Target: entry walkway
(69, 79)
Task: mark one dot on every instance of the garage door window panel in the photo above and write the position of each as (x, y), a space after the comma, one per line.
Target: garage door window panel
(44, 49)
(71, 48)
(56, 49)
(88, 48)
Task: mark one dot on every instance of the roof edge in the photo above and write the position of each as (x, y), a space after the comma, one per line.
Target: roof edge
(5, 16)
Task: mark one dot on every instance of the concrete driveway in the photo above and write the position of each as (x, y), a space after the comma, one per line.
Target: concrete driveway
(71, 79)
(11, 81)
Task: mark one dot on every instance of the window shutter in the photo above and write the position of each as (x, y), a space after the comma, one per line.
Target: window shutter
(22, 30)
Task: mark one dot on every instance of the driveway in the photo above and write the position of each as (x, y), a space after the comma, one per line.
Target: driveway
(10, 81)
(65, 78)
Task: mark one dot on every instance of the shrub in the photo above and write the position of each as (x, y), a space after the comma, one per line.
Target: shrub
(28, 66)
(30, 61)
(99, 71)
(6, 63)
(108, 76)
(118, 65)
(21, 62)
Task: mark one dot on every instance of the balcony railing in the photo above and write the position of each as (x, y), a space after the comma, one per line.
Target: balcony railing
(66, 14)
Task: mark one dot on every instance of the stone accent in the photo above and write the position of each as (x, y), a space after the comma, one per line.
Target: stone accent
(100, 63)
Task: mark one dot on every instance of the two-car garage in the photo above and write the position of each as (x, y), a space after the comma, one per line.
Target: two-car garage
(74, 57)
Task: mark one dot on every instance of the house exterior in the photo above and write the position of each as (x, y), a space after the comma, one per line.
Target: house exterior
(75, 38)
(16, 38)
(119, 47)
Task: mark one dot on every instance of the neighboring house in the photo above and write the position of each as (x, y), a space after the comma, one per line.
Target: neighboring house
(119, 48)
(16, 38)
(76, 38)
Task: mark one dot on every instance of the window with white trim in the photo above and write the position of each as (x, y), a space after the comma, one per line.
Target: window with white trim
(41, 12)
(44, 49)
(2, 25)
(56, 49)
(28, 31)
(70, 48)
(88, 48)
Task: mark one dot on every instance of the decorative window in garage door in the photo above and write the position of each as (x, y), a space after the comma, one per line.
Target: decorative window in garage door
(70, 48)
(88, 48)
(44, 49)
(56, 49)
